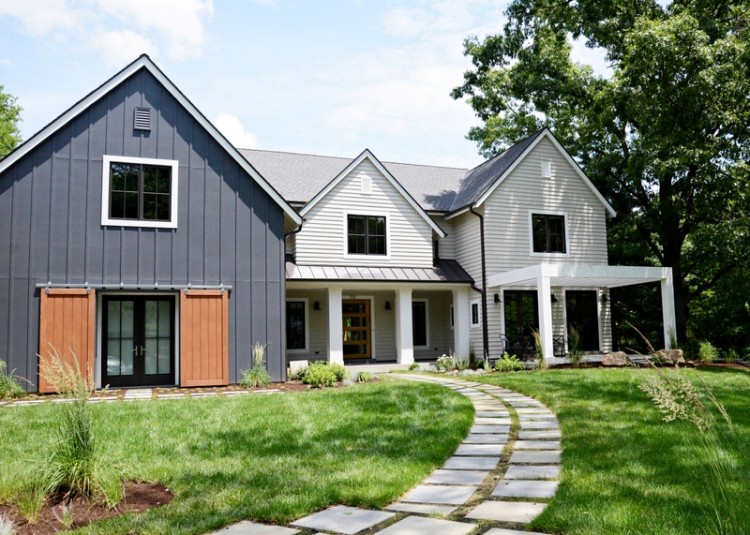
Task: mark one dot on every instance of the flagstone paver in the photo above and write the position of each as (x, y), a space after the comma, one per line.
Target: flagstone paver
(503, 531)
(535, 457)
(522, 512)
(441, 494)
(484, 438)
(521, 488)
(539, 435)
(490, 429)
(480, 449)
(343, 519)
(251, 528)
(471, 463)
(456, 477)
(422, 508)
(539, 425)
(536, 445)
(417, 525)
(539, 471)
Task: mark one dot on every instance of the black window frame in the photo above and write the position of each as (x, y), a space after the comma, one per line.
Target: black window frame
(363, 241)
(416, 328)
(288, 324)
(553, 240)
(474, 314)
(142, 194)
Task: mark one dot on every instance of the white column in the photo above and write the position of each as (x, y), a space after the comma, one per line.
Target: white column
(667, 309)
(335, 327)
(545, 314)
(404, 337)
(461, 322)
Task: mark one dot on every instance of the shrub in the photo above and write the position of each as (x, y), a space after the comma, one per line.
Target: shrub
(731, 356)
(364, 377)
(509, 363)
(574, 347)
(320, 374)
(257, 375)
(414, 367)
(9, 387)
(707, 352)
(297, 374)
(445, 363)
(463, 364)
(339, 371)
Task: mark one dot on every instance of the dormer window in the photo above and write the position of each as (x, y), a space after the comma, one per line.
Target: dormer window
(366, 235)
(548, 233)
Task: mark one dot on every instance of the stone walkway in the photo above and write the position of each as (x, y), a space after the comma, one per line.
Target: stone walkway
(497, 481)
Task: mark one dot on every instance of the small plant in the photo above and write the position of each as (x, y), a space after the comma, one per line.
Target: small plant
(30, 500)
(364, 377)
(9, 387)
(541, 362)
(6, 526)
(297, 374)
(575, 354)
(320, 374)
(414, 367)
(64, 514)
(707, 352)
(338, 370)
(509, 363)
(463, 364)
(257, 375)
(472, 358)
(486, 366)
(731, 356)
(445, 363)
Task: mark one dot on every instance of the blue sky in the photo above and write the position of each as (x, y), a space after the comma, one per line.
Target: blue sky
(324, 77)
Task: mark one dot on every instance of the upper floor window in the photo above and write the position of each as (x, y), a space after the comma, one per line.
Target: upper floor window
(366, 235)
(548, 233)
(139, 192)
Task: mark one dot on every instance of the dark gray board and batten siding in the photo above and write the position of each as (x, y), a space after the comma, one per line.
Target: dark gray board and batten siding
(229, 230)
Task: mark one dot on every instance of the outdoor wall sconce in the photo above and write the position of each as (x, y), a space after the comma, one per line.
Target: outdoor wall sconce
(497, 298)
(604, 298)
(316, 305)
(387, 305)
(553, 298)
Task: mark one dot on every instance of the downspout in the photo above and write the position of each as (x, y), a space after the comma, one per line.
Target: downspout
(485, 335)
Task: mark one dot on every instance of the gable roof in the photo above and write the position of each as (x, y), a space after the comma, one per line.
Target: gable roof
(144, 62)
(367, 155)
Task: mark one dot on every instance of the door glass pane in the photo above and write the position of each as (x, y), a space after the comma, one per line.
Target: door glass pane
(165, 319)
(126, 356)
(113, 357)
(295, 325)
(164, 362)
(150, 363)
(151, 319)
(126, 322)
(113, 319)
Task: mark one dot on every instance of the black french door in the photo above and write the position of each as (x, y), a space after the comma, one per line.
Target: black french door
(521, 320)
(138, 340)
(582, 314)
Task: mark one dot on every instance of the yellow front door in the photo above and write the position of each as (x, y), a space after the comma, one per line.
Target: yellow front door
(357, 328)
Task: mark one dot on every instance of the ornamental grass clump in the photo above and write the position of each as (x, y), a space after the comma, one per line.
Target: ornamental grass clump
(575, 354)
(509, 363)
(6, 526)
(257, 375)
(9, 386)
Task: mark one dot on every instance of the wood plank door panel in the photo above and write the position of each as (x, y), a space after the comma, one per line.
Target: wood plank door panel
(357, 328)
(204, 338)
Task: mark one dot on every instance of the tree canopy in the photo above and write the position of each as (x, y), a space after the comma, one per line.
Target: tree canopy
(10, 115)
(664, 135)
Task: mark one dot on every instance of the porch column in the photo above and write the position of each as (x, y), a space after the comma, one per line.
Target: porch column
(404, 337)
(667, 309)
(461, 322)
(335, 327)
(545, 314)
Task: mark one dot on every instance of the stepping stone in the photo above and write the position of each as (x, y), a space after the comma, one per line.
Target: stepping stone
(536, 417)
(419, 525)
(482, 429)
(533, 410)
(492, 421)
(421, 508)
(442, 494)
(521, 512)
(343, 519)
(536, 445)
(503, 531)
(535, 457)
(483, 438)
(456, 477)
(471, 463)
(546, 471)
(519, 488)
(492, 414)
(539, 435)
(539, 425)
(479, 449)
(251, 528)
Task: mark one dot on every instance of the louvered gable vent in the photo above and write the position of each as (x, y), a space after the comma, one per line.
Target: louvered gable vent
(142, 119)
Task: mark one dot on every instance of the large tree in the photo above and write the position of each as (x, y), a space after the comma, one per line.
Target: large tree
(665, 134)
(10, 115)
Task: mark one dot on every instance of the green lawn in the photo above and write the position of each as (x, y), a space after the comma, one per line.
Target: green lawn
(271, 458)
(624, 469)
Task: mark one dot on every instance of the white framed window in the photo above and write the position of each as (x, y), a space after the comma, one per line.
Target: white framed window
(420, 324)
(139, 192)
(548, 233)
(475, 313)
(297, 325)
(366, 235)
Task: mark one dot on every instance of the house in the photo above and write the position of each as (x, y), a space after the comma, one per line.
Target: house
(134, 236)
(138, 239)
(397, 262)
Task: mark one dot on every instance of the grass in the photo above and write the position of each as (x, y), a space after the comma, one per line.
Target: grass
(624, 469)
(270, 458)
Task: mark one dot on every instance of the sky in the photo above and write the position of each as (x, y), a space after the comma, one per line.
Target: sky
(329, 77)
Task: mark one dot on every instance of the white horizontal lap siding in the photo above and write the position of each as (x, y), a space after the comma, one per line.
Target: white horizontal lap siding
(447, 245)
(507, 210)
(469, 255)
(322, 238)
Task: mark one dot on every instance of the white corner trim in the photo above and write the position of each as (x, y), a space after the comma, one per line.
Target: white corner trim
(531, 234)
(106, 221)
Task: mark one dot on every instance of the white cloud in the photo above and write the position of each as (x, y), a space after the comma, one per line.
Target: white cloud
(232, 128)
(120, 48)
(405, 22)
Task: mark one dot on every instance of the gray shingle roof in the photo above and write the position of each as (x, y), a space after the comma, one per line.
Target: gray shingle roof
(299, 177)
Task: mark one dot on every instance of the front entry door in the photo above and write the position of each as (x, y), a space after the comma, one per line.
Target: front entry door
(138, 340)
(357, 328)
(581, 311)
(521, 320)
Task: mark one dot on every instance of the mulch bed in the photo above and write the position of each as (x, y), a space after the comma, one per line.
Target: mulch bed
(139, 497)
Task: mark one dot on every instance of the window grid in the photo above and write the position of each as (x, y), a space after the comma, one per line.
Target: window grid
(140, 192)
(548, 233)
(366, 235)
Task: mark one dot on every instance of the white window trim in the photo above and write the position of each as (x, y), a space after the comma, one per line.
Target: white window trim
(478, 324)
(108, 222)
(306, 302)
(426, 322)
(531, 234)
(346, 255)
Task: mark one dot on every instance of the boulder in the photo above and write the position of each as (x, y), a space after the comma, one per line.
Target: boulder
(672, 356)
(615, 359)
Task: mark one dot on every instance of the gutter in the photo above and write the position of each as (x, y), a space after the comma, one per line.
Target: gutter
(485, 334)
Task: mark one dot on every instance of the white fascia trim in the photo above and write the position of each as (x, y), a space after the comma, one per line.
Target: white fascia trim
(456, 213)
(548, 135)
(142, 223)
(144, 62)
(366, 154)
(637, 274)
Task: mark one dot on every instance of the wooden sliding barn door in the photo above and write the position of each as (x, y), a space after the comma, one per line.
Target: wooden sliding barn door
(204, 338)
